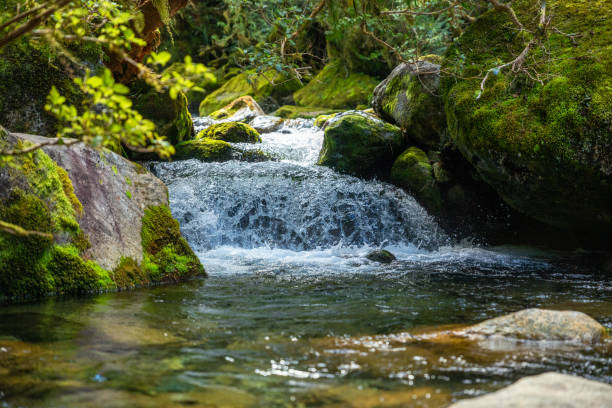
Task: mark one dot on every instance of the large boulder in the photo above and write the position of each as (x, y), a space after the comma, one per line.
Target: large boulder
(545, 147)
(413, 172)
(548, 390)
(105, 223)
(541, 324)
(335, 87)
(242, 109)
(409, 98)
(361, 145)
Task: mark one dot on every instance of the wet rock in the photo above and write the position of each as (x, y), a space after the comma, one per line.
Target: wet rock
(413, 172)
(242, 109)
(361, 145)
(541, 324)
(408, 97)
(266, 123)
(381, 256)
(210, 150)
(231, 132)
(549, 390)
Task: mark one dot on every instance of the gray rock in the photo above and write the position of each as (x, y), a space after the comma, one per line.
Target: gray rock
(541, 324)
(408, 98)
(549, 390)
(266, 123)
(114, 193)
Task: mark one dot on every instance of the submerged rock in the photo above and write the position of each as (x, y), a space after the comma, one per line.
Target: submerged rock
(541, 324)
(413, 172)
(381, 256)
(361, 145)
(409, 98)
(231, 132)
(549, 390)
(546, 148)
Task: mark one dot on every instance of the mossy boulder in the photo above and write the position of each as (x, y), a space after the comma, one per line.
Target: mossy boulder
(336, 88)
(413, 172)
(409, 98)
(28, 70)
(259, 86)
(305, 112)
(381, 256)
(546, 148)
(361, 145)
(171, 116)
(85, 210)
(231, 132)
(210, 150)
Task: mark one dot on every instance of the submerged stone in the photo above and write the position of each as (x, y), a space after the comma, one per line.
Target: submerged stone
(541, 324)
(548, 390)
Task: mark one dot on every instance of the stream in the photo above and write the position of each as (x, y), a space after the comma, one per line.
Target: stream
(293, 314)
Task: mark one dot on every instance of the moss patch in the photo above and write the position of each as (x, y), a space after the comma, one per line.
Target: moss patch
(412, 171)
(206, 150)
(306, 112)
(168, 257)
(232, 132)
(540, 146)
(171, 116)
(336, 88)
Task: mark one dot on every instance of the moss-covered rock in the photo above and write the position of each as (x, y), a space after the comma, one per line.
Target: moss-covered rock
(412, 171)
(322, 120)
(168, 257)
(336, 88)
(28, 70)
(171, 116)
(546, 148)
(381, 256)
(409, 98)
(210, 150)
(232, 132)
(207, 150)
(260, 87)
(78, 235)
(306, 112)
(360, 144)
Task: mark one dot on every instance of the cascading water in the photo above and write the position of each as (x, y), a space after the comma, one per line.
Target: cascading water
(292, 203)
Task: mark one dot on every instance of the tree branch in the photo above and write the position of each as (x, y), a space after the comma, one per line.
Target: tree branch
(508, 9)
(20, 232)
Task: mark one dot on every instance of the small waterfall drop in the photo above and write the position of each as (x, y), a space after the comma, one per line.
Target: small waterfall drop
(291, 203)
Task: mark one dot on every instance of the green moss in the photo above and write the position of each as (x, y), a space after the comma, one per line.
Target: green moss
(271, 84)
(171, 116)
(306, 112)
(412, 171)
(539, 145)
(69, 191)
(164, 247)
(360, 145)
(321, 120)
(232, 132)
(207, 150)
(336, 88)
(129, 274)
(28, 70)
